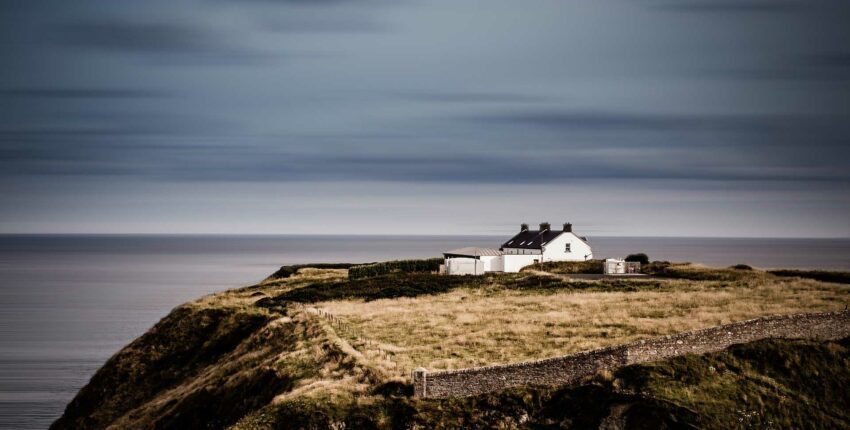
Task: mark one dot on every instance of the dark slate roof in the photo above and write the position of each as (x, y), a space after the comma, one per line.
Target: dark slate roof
(532, 239)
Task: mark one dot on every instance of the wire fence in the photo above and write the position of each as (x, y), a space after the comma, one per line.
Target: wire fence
(364, 345)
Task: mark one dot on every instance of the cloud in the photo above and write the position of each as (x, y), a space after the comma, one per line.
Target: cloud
(124, 36)
(174, 40)
(833, 65)
(331, 25)
(164, 156)
(567, 120)
(470, 97)
(818, 67)
(312, 3)
(730, 6)
(133, 123)
(832, 59)
(81, 93)
(474, 168)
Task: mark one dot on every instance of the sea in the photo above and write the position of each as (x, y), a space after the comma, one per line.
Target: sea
(68, 302)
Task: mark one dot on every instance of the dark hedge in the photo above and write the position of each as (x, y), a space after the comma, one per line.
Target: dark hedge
(383, 268)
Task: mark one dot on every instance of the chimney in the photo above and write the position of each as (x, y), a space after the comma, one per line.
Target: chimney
(545, 226)
(568, 227)
(523, 227)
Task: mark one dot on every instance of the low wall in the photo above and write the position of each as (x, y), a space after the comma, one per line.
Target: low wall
(571, 368)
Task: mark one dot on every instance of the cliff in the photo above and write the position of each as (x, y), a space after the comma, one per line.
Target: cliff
(258, 358)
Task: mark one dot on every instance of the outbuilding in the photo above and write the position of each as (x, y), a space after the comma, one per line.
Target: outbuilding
(472, 261)
(617, 266)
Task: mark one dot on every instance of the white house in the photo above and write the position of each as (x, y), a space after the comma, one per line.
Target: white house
(526, 248)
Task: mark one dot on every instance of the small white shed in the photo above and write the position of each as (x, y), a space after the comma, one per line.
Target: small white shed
(618, 266)
(473, 261)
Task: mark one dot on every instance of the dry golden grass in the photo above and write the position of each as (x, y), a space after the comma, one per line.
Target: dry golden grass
(244, 298)
(473, 327)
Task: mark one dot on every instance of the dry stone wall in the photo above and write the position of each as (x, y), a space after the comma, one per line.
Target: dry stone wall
(571, 368)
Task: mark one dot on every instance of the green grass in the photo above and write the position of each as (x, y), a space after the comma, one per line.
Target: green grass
(765, 384)
(401, 284)
(175, 349)
(691, 272)
(569, 267)
(818, 275)
(287, 271)
(537, 283)
(380, 287)
(398, 266)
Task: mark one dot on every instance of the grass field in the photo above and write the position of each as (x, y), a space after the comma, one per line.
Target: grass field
(311, 348)
(494, 321)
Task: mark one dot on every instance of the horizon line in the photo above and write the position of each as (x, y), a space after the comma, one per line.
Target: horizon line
(130, 234)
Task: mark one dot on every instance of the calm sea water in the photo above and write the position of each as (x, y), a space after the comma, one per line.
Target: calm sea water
(67, 303)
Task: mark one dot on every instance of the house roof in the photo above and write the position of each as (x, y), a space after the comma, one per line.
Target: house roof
(532, 239)
(471, 251)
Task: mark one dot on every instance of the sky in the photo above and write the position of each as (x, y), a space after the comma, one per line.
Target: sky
(712, 118)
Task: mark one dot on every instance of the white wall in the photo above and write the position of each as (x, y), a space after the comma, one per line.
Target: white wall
(613, 267)
(556, 249)
(464, 266)
(513, 262)
(493, 263)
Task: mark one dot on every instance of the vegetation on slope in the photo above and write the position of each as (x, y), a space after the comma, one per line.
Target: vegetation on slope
(569, 267)
(213, 361)
(175, 349)
(819, 275)
(265, 357)
(287, 271)
(382, 287)
(766, 384)
(694, 272)
(429, 265)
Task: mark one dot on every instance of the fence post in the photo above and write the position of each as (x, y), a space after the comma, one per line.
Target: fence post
(420, 382)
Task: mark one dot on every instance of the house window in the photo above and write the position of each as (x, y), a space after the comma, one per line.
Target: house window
(567, 248)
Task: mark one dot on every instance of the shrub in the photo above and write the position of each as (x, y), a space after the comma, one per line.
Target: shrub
(569, 267)
(383, 268)
(639, 257)
(741, 267)
(818, 275)
(698, 273)
(551, 283)
(655, 267)
(287, 271)
(374, 288)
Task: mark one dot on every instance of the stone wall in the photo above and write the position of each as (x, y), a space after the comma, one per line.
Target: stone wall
(571, 368)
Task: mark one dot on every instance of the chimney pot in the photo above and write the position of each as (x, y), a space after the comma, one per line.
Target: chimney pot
(523, 227)
(568, 227)
(545, 226)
